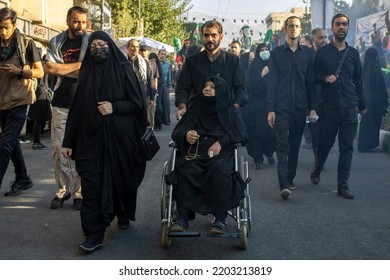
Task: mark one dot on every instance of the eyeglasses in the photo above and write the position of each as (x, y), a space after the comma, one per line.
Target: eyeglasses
(344, 23)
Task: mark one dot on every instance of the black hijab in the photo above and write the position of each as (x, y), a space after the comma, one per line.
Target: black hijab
(374, 84)
(229, 116)
(255, 68)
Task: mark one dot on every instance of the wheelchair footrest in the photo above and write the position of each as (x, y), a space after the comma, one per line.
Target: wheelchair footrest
(184, 234)
(225, 235)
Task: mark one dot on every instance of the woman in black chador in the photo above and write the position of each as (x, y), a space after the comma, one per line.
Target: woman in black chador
(377, 102)
(205, 178)
(105, 124)
(262, 140)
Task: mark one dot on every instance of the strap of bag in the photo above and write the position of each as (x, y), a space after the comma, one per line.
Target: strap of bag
(341, 62)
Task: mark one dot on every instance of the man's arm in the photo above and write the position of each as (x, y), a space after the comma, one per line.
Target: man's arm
(183, 89)
(70, 70)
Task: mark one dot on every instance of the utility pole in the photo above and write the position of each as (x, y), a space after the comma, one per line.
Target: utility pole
(140, 20)
(101, 15)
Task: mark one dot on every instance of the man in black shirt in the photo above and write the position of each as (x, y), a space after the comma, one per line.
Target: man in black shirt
(64, 56)
(341, 98)
(290, 92)
(210, 62)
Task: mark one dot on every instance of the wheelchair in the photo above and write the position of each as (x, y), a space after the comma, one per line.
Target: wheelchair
(241, 214)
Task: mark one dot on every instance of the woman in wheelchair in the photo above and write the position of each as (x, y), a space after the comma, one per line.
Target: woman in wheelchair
(205, 177)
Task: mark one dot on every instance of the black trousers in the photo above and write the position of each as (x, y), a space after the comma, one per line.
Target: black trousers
(289, 125)
(332, 121)
(12, 121)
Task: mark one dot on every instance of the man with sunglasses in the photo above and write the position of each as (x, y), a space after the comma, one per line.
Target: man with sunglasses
(337, 69)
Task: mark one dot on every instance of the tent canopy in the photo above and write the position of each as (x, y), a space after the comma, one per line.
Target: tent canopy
(153, 44)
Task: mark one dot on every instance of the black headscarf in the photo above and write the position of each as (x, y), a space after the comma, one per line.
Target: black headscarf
(229, 116)
(374, 84)
(256, 67)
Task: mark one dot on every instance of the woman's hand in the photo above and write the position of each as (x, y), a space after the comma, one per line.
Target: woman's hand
(192, 136)
(105, 108)
(215, 149)
(265, 71)
(66, 152)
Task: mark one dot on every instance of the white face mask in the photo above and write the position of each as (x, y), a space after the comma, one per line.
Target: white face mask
(264, 55)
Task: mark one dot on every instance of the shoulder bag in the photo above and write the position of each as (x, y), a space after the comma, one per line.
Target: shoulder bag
(149, 144)
(341, 62)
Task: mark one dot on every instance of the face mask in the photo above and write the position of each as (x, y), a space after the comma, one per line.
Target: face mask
(100, 54)
(264, 55)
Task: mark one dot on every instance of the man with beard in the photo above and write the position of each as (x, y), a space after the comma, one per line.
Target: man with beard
(64, 56)
(319, 38)
(289, 99)
(312, 129)
(212, 61)
(337, 68)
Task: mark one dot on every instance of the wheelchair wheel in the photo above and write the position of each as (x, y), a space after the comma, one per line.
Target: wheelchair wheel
(163, 191)
(165, 239)
(244, 236)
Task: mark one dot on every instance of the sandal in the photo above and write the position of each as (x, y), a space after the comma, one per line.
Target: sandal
(218, 228)
(179, 226)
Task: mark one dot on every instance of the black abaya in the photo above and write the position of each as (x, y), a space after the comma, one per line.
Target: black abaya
(377, 102)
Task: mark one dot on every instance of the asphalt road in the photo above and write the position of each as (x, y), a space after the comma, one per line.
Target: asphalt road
(315, 224)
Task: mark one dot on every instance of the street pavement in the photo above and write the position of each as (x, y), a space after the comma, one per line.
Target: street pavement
(315, 224)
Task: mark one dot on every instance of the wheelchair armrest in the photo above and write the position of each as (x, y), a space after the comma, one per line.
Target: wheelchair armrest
(172, 144)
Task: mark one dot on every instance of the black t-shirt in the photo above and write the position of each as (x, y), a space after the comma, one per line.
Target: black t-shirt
(64, 94)
(32, 54)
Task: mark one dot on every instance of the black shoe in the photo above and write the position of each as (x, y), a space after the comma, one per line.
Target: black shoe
(345, 192)
(315, 179)
(179, 226)
(271, 160)
(57, 202)
(258, 165)
(285, 194)
(90, 245)
(291, 185)
(218, 227)
(77, 203)
(39, 146)
(18, 186)
(123, 224)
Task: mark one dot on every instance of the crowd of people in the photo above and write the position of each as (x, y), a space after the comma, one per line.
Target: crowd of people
(103, 101)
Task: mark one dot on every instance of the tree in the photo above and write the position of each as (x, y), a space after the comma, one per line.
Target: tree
(342, 7)
(162, 19)
(306, 23)
(362, 8)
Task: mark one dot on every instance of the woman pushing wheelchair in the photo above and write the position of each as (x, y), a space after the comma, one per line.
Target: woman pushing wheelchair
(205, 178)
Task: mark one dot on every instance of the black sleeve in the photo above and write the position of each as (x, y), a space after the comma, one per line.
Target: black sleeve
(135, 99)
(32, 54)
(184, 85)
(150, 81)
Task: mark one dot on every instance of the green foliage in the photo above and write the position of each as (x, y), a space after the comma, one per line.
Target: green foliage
(342, 7)
(162, 19)
(306, 24)
(362, 8)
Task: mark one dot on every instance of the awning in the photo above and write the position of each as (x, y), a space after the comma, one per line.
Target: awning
(153, 44)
